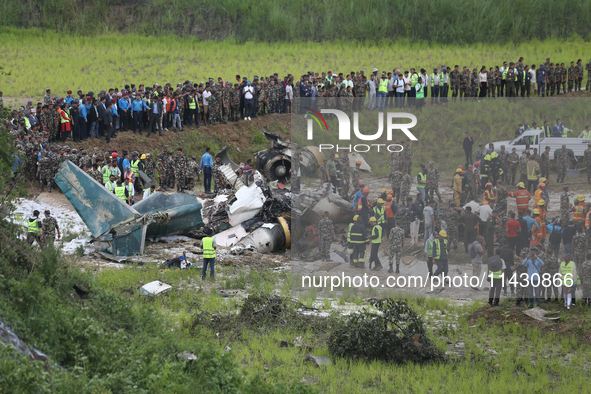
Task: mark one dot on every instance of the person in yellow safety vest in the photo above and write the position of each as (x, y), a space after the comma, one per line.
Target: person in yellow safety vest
(64, 122)
(209, 246)
(496, 267)
(149, 192)
(440, 254)
(543, 212)
(129, 192)
(422, 181)
(489, 194)
(111, 184)
(579, 211)
(379, 212)
(120, 191)
(382, 92)
(106, 170)
(34, 229)
(135, 164)
(359, 240)
(349, 244)
(586, 133)
(533, 173)
(376, 241)
(570, 278)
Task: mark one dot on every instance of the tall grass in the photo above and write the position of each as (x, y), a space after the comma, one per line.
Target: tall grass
(444, 21)
(39, 59)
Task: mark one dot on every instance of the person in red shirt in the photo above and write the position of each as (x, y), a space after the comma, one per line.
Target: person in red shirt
(513, 228)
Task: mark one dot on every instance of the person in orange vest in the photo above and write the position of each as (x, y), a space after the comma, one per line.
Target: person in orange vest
(389, 214)
(538, 235)
(363, 207)
(538, 195)
(522, 197)
(541, 204)
(579, 212)
(64, 121)
(489, 194)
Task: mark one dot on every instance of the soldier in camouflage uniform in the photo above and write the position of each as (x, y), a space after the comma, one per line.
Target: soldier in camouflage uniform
(227, 107)
(408, 156)
(213, 106)
(584, 270)
(180, 169)
(501, 199)
(565, 207)
(52, 119)
(503, 156)
(261, 91)
(84, 160)
(191, 173)
(501, 229)
(520, 275)
(551, 80)
(432, 186)
(588, 68)
(323, 174)
(216, 176)
(395, 247)
(279, 96)
(587, 161)
(470, 180)
(271, 97)
(56, 161)
(95, 173)
(326, 235)
(405, 183)
(345, 174)
(571, 76)
(579, 246)
(579, 74)
(48, 229)
(455, 79)
(512, 162)
(295, 107)
(563, 77)
(523, 167)
(465, 84)
(295, 169)
(562, 164)
(551, 266)
(450, 216)
(491, 79)
(47, 98)
(73, 157)
(474, 84)
(545, 163)
(149, 167)
(169, 169)
(44, 172)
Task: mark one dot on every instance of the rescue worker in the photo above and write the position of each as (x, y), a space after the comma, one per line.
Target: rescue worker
(34, 225)
(539, 233)
(379, 212)
(579, 212)
(209, 247)
(440, 254)
(522, 197)
(533, 173)
(349, 244)
(376, 241)
(538, 195)
(363, 207)
(457, 187)
(358, 239)
(489, 194)
(390, 212)
(570, 278)
(120, 191)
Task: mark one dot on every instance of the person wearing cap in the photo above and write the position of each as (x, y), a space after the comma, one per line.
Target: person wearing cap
(137, 112)
(363, 207)
(538, 193)
(579, 211)
(375, 238)
(440, 254)
(422, 181)
(48, 230)
(357, 196)
(349, 244)
(533, 173)
(379, 212)
(34, 228)
(129, 191)
(522, 197)
(562, 161)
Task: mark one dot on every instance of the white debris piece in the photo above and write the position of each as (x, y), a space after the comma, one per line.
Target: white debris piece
(230, 237)
(249, 201)
(154, 288)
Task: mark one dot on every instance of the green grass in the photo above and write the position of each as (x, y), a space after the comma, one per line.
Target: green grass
(446, 21)
(114, 60)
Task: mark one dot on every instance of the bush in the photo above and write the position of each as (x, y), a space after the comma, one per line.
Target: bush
(396, 335)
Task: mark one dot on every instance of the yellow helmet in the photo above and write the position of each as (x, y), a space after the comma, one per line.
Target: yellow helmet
(520, 184)
(543, 180)
(494, 155)
(458, 170)
(336, 156)
(372, 219)
(380, 201)
(581, 197)
(443, 233)
(384, 190)
(355, 218)
(536, 211)
(541, 202)
(143, 156)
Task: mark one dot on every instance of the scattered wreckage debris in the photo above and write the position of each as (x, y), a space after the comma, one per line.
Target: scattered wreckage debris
(540, 314)
(318, 360)
(154, 288)
(268, 238)
(118, 228)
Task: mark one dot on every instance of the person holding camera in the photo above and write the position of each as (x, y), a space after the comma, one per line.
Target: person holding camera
(534, 276)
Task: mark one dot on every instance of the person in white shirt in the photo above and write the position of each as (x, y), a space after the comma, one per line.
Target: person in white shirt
(150, 192)
(444, 85)
(399, 86)
(164, 102)
(485, 211)
(206, 95)
(532, 73)
(483, 81)
(390, 97)
(111, 185)
(434, 81)
(472, 204)
(288, 97)
(407, 82)
(248, 93)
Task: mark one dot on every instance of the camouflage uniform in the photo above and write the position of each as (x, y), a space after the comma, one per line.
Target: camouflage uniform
(579, 73)
(45, 172)
(464, 84)
(564, 78)
(260, 100)
(323, 176)
(395, 246)
(396, 180)
(408, 161)
(405, 188)
(191, 173)
(474, 85)
(180, 167)
(451, 220)
(491, 78)
(579, 244)
(453, 77)
(551, 266)
(587, 157)
(402, 216)
(512, 170)
(432, 185)
(226, 105)
(469, 178)
(49, 226)
(217, 178)
(564, 208)
(150, 168)
(551, 81)
(84, 160)
(345, 173)
(56, 162)
(325, 228)
(213, 106)
(503, 155)
(571, 78)
(271, 97)
(523, 168)
(584, 271)
(501, 202)
(545, 165)
(588, 86)
(562, 163)
(520, 272)
(96, 175)
(501, 231)
(164, 174)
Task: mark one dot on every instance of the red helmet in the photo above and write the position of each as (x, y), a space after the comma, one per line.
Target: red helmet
(476, 164)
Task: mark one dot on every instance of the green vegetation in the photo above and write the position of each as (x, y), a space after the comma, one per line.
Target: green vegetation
(446, 21)
(39, 59)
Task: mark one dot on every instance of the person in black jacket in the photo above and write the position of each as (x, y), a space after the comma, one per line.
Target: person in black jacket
(75, 120)
(102, 108)
(93, 119)
(467, 145)
(108, 120)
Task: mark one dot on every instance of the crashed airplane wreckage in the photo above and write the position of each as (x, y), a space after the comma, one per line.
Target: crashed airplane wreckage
(118, 228)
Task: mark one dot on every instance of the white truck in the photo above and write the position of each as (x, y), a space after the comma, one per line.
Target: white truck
(535, 138)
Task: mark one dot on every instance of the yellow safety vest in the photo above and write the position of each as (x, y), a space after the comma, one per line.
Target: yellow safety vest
(437, 248)
(106, 174)
(568, 269)
(208, 250)
(420, 93)
(496, 274)
(531, 176)
(579, 214)
(192, 103)
(380, 214)
(423, 179)
(120, 192)
(377, 240)
(135, 166)
(110, 186)
(414, 79)
(33, 228)
(383, 86)
(27, 123)
(586, 134)
(349, 232)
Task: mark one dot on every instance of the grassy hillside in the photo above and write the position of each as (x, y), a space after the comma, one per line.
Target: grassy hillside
(37, 59)
(446, 21)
